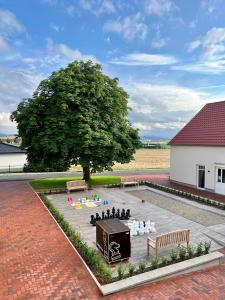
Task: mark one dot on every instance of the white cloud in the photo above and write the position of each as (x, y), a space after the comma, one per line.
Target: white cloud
(3, 45)
(16, 85)
(130, 27)
(9, 23)
(56, 27)
(162, 109)
(98, 7)
(57, 51)
(70, 10)
(210, 5)
(212, 56)
(159, 42)
(194, 45)
(5, 124)
(144, 59)
(159, 7)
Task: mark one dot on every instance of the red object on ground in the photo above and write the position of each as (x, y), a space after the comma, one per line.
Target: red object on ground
(143, 200)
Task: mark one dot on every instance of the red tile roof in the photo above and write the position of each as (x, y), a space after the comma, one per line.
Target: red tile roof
(206, 128)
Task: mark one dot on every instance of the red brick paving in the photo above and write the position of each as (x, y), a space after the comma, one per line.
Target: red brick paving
(37, 262)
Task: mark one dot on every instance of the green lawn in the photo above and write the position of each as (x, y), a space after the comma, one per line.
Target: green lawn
(48, 183)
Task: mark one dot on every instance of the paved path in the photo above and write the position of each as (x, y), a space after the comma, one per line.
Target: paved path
(37, 262)
(30, 176)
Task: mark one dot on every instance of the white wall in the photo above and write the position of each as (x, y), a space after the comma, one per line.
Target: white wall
(184, 159)
(14, 159)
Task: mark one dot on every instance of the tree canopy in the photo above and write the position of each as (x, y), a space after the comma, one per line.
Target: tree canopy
(76, 116)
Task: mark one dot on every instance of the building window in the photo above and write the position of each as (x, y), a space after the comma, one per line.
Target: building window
(219, 175)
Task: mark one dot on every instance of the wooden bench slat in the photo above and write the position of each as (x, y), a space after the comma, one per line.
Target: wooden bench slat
(175, 237)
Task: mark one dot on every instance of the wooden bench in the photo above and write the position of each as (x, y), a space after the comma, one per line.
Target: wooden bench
(128, 181)
(176, 237)
(76, 185)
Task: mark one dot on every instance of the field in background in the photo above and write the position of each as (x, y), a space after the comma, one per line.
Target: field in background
(144, 159)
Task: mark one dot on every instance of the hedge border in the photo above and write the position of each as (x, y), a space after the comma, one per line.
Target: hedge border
(187, 195)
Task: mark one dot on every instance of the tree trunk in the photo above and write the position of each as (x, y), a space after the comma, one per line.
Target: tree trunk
(86, 173)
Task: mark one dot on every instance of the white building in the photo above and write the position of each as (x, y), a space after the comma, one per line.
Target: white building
(198, 150)
(11, 157)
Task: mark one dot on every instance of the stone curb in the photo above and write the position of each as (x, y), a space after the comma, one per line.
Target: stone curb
(191, 265)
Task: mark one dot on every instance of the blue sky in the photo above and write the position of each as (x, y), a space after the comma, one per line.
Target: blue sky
(169, 55)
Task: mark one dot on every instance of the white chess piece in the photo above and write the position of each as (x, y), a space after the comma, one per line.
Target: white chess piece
(153, 227)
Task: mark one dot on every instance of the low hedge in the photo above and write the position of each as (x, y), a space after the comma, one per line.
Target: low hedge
(90, 255)
(186, 195)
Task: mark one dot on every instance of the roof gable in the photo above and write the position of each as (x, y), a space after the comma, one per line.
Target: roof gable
(5, 149)
(206, 128)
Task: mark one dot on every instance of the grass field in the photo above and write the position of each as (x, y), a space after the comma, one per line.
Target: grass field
(144, 159)
(49, 183)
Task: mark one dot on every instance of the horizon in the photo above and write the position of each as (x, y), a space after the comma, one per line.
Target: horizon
(168, 55)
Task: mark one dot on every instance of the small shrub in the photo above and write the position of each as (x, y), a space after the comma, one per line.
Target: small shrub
(142, 267)
(190, 251)
(104, 272)
(199, 249)
(207, 246)
(120, 271)
(164, 261)
(155, 262)
(182, 252)
(131, 269)
(173, 255)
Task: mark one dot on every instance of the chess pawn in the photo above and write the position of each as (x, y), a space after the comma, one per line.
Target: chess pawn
(118, 213)
(123, 214)
(152, 225)
(108, 213)
(97, 217)
(113, 212)
(128, 213)
(92, 220)
(103, 215)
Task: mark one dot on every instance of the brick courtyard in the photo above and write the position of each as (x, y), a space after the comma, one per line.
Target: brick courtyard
(37, 262)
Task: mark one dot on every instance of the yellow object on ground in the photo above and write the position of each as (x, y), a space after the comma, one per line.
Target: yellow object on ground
(77, 206)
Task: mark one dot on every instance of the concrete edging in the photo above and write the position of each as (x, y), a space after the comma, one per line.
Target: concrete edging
(191, 265)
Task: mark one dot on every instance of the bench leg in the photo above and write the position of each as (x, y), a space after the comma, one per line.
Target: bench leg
(148, 249)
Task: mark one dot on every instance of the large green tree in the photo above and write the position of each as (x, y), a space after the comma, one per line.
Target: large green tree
(76, 116)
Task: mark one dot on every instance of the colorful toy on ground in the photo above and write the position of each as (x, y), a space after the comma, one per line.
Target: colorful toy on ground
(78, 206)
(93, 201)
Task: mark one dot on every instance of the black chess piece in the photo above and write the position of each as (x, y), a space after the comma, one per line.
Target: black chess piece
(108, 213)
(118, 213)
(92, 220)
(103, 215)
(123, 214)
(128, 213)
(98, 218)
(113, 212)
